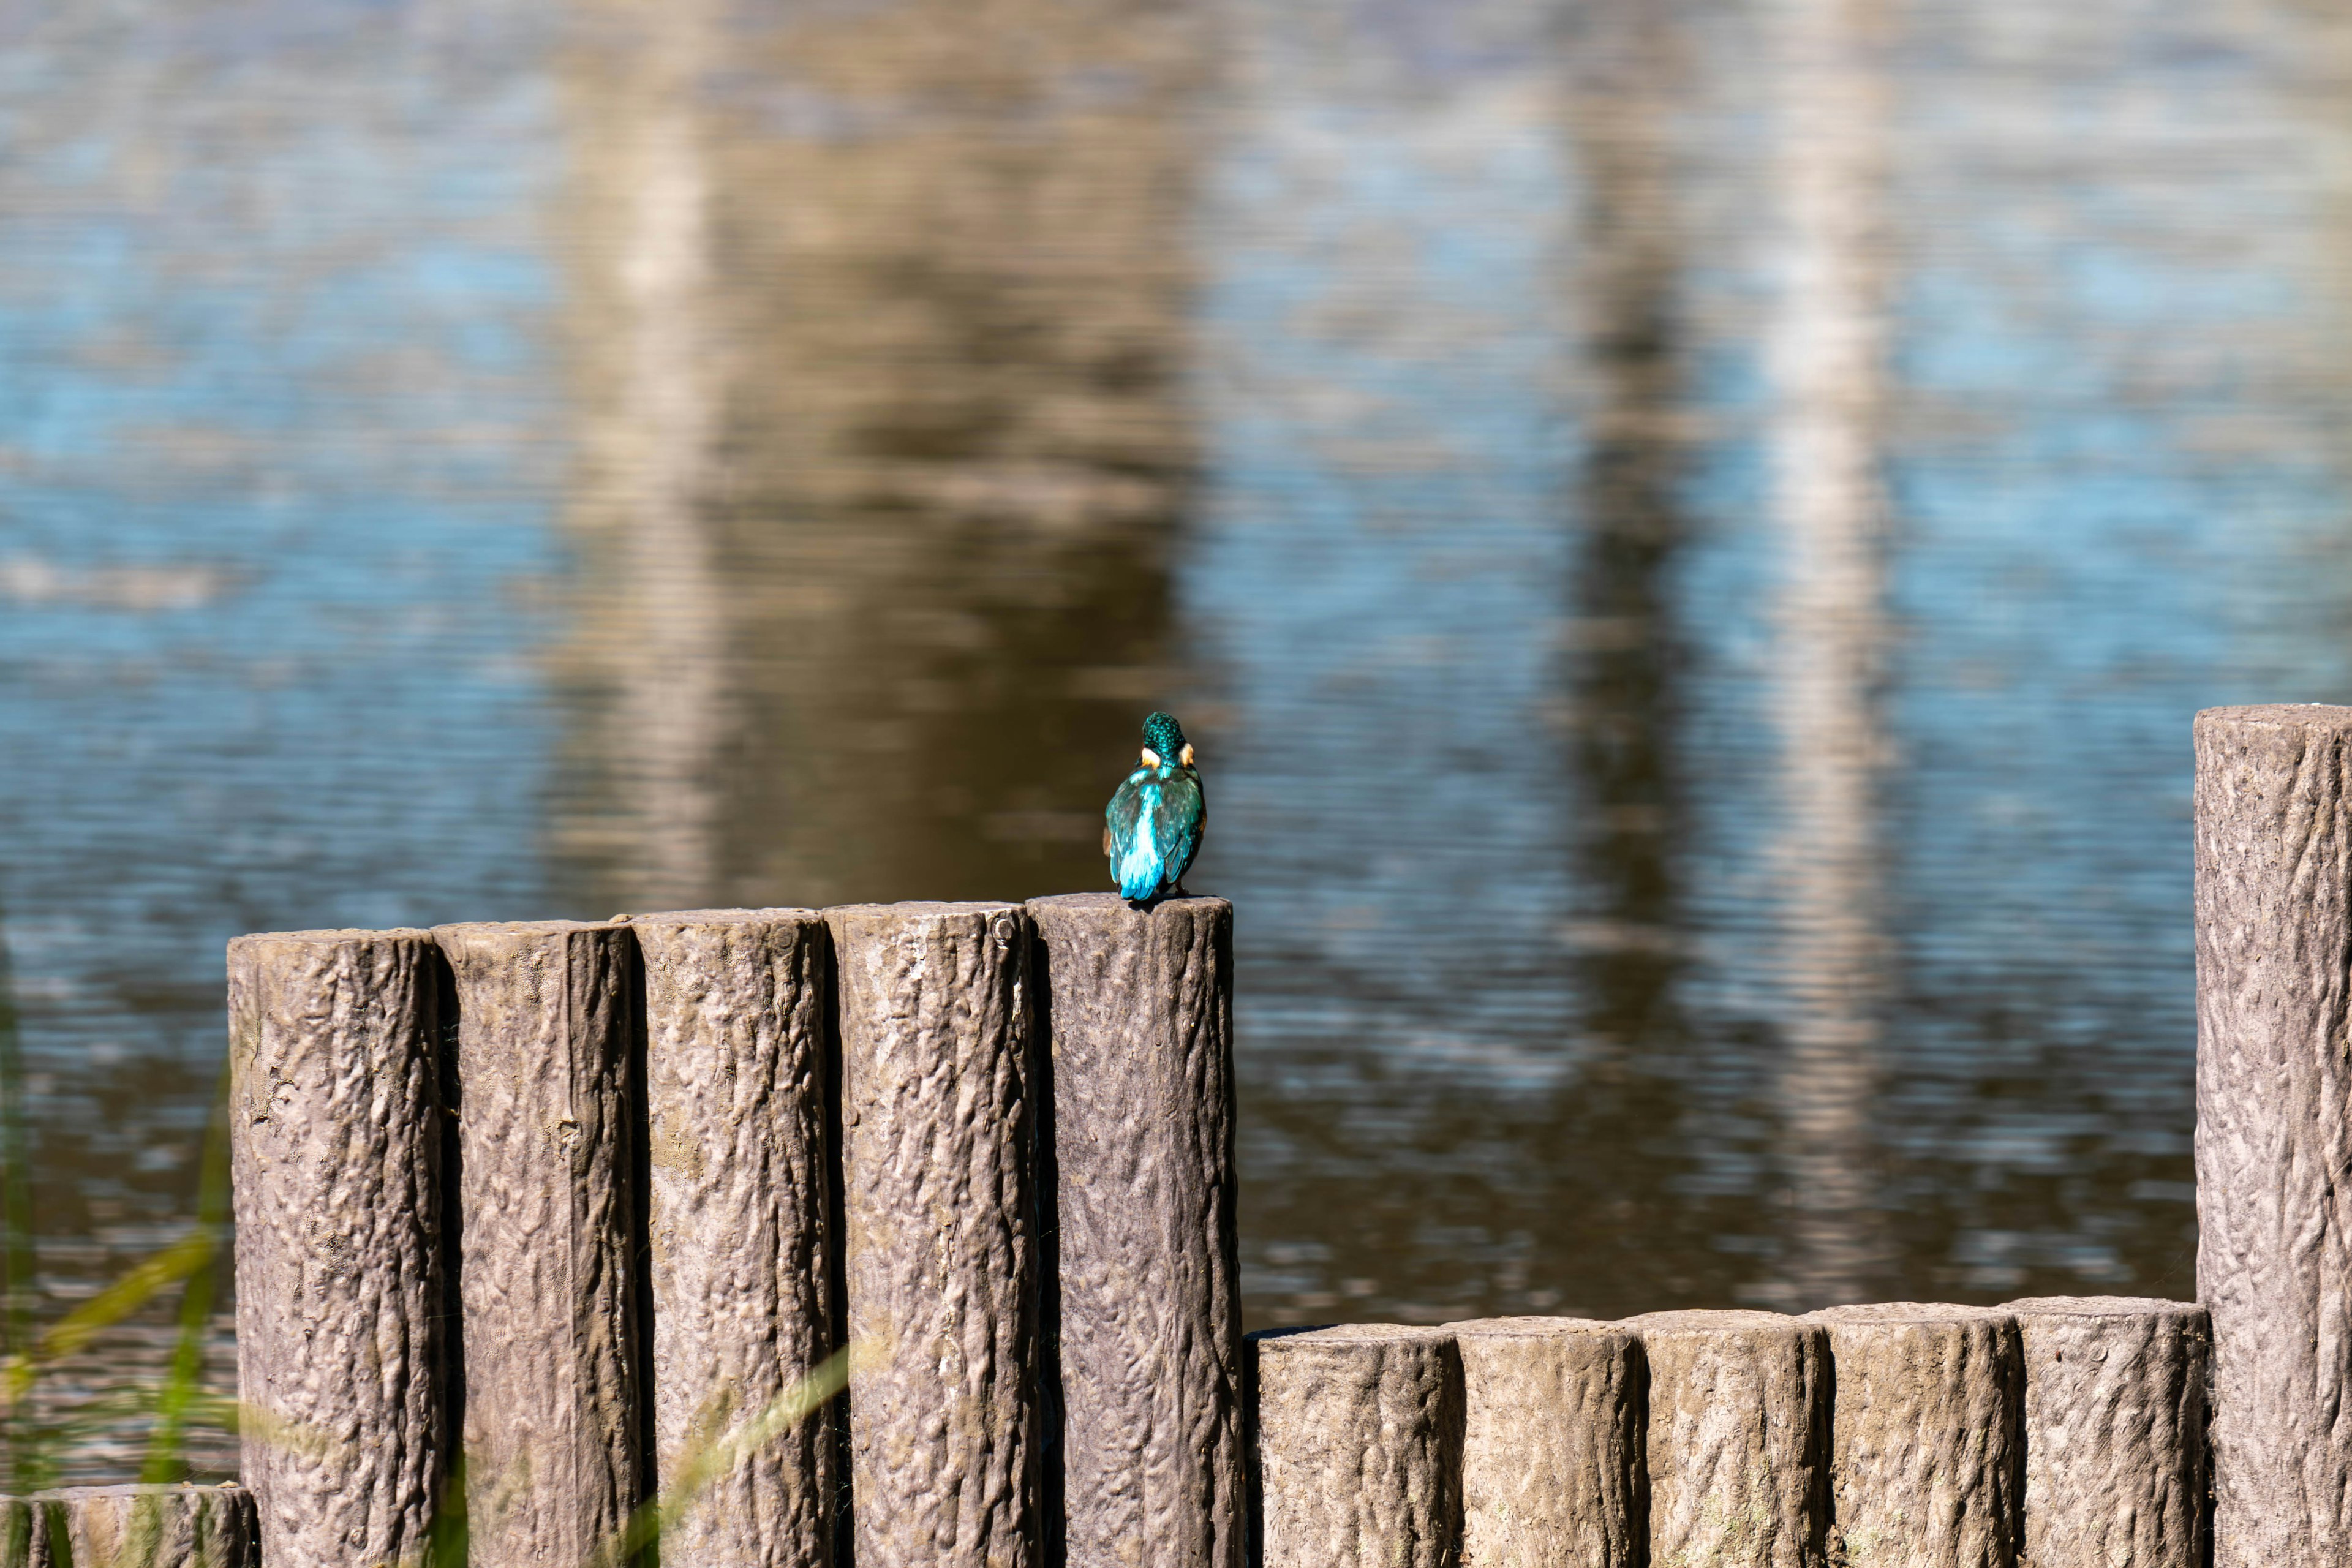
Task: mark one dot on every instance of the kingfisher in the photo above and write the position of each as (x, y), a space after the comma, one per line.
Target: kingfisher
(1151, 829)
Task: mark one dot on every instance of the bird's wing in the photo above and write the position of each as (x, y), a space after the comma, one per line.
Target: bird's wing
(1182, 810)
(1119, 816)
(1131, 840)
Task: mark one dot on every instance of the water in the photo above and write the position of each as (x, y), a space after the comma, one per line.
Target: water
(1688, 538)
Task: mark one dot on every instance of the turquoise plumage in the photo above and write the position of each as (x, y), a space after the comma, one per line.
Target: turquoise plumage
(1151, 829)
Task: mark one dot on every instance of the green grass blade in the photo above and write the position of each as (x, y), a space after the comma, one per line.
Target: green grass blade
(167, 1460)
(28, 1460)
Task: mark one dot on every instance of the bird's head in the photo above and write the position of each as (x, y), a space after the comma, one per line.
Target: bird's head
(1163, 741)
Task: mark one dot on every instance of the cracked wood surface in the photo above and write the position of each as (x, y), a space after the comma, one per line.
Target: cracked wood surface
(1552, 1467)
(737, 1012)
(335, 1153)
(1359, 1446)
(555, 1421)
(1738, 1441)
(2274, 906)
(1926, 1445)
(1137, 1017)
(940, 1254)
(2115, 1431)
(170, 1526)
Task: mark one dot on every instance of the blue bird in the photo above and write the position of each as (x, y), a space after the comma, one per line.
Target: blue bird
(1151, 829)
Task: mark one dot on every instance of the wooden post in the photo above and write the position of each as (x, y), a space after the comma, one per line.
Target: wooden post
(941, 1255)
(1136, 1038)
(17, 1547)
(1927, 1447)
(2115, 1431)
(1359, 1447)
(736, 1011)
(1552, 1467)
(155, 1527)
(335, 1150)
(547, 1046)
(1738, 1440)
(2273, 846)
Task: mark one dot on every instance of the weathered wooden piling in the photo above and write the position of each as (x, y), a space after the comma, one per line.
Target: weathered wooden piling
(1359, 1447)
(15, 1533)
(547, 1044)
(1926, 1443)
(2115, 1431)
(182, 1526)
(737, 1014)
(335, 1152)
(940, 1253)
(2273, 859)
(1555, 1412)
(1738, 1442)
(1144, 1329)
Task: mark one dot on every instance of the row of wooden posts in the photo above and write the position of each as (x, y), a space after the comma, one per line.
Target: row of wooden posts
(591, 1204)
(2062, 1432)
(594, 1206)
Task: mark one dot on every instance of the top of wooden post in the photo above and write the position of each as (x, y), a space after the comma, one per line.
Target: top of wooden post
(528, 928)
(1864, 1313)
(721, 917)
(1536, 1328)
(328, 938)
(1078, 903)
(2277, 715)
(2102, 1307)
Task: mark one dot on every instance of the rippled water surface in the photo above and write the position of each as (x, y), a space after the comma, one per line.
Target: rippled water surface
(1688, 538)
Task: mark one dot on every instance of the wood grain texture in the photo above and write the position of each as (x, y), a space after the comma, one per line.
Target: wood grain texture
(15, 1533)
(1553, 1471)
(335, 1146)
(2274, 858)
(2115, 1431)
(1926, 1441)
(737, 1009)
(1358, 1434)
(547, 1045)
(1144, 1331)
(1738, 1440)
(940, 1254)
(156, 1527)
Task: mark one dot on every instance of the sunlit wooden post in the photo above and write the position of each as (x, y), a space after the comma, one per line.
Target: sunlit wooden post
(940, 1254)
(181, 1526)
(2274, 856)
(18, 1547)
(1927, 1447)
(1552, 1467)
(1738, 1438)
(737, 1012)
(335, 1152)
(547, 1048)
(1359, 1447)
(1135, 1033)
(2115, 1431)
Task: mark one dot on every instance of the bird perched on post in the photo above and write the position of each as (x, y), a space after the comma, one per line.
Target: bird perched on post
(1151, 829)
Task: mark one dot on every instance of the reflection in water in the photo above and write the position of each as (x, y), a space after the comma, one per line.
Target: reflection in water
(913, 452)
(658, 652)
(1824, 356)
(1625, 665)
(272, 448)
(1379, 565)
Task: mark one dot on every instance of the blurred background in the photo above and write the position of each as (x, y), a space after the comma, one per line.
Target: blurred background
(1687, 532)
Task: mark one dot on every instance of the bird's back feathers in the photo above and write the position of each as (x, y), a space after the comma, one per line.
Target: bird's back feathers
(1154, 829)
